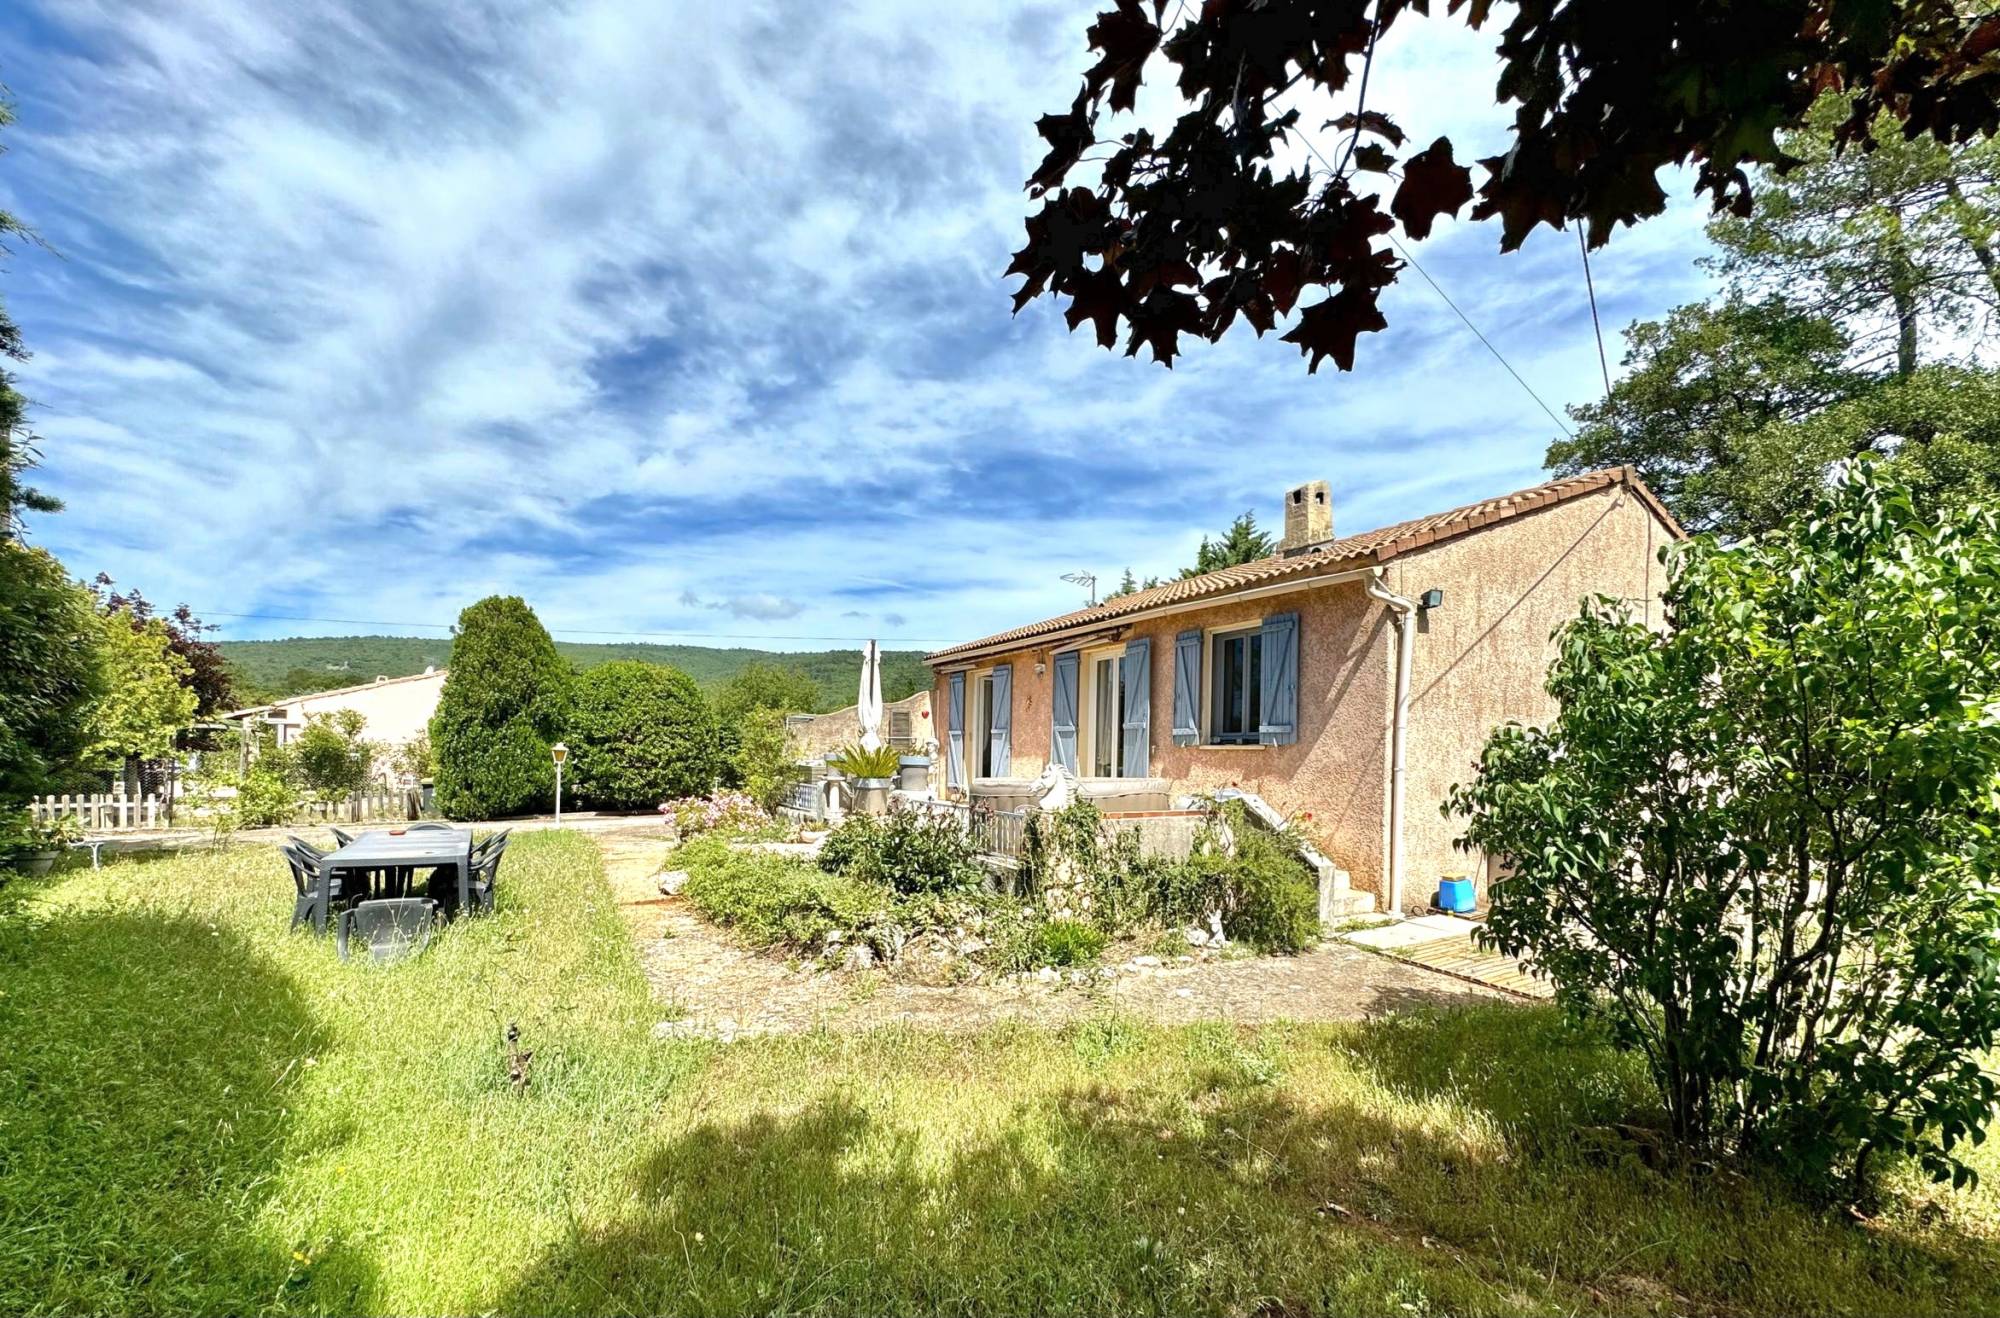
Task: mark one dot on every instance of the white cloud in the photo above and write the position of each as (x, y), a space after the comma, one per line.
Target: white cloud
(367, 310)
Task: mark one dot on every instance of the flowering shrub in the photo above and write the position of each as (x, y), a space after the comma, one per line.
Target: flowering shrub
(732, 812)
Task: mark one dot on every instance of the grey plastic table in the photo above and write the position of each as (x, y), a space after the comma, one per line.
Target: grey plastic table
(381, 849)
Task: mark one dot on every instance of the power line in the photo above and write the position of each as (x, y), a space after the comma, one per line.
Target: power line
(1560, 424)
(1591, 288)
(1439, 290)
(581, 631)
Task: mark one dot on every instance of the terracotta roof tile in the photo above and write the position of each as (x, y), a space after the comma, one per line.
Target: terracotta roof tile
(1375, 546)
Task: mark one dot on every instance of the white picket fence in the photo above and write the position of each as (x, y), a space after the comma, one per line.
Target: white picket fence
(111, 812)
(102, 812)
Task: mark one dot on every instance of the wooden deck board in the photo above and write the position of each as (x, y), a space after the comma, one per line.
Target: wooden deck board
(1460, 956)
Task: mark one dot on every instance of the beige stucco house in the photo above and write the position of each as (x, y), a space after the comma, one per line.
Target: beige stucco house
(397, 709)
(1351, 679)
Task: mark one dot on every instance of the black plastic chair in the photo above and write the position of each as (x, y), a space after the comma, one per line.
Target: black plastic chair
(306, 871)
(341, 837)
(486, 871)
(301, 844)
(391, 929)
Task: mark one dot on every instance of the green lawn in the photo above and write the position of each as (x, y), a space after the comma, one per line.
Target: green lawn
(200, 1112)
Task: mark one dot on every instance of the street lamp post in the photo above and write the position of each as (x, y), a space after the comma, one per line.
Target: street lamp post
(559, 753)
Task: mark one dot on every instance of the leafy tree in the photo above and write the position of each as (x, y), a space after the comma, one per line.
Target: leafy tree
(1235, 208)
(1892, 244)
(51, 676)
(148, 698)
(1698, 387)
(1761, 843)
(504, 703)
(769, 686)
(640, 734)
(209, 675)
(1241, 543)
(1736, 411)
(330, 757)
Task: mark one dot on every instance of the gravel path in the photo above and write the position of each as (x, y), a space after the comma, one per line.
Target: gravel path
(711, 987)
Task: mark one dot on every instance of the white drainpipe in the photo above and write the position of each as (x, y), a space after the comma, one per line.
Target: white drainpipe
(1402, 613)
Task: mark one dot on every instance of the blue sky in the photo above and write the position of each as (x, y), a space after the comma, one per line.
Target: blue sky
(682, 319)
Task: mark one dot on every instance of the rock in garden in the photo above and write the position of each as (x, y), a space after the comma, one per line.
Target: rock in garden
(859, 957)
(672, 881)
(1196, 936)
(1147, 961)
(1047, 974)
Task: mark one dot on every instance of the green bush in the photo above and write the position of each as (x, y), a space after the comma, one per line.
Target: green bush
(1266, 894)
(330, 758)
(1269, 895)
(505, 701)
(264, 799)
(1759, 842)
(638, 734)
(774, 901)
(756, 758)
(906, 851)
(1067, 943)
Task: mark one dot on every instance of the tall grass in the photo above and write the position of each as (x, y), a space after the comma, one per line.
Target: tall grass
(202, 1113)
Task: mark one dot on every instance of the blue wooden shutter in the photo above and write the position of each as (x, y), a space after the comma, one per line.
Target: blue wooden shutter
(954, 734)
(1000, 737)
(1138, 675)
(1062, 705)
(1187, 687)
(1279, 678)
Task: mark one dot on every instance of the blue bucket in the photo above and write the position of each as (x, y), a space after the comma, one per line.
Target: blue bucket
(1456, 895)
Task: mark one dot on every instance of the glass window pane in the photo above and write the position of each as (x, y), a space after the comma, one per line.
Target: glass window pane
(1104, 733)
(1253, 704)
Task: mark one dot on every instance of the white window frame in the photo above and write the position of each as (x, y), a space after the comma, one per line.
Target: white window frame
(978, 732)
(1086, 713)
(1211, 635)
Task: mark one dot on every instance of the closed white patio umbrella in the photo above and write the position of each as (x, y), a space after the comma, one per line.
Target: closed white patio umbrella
(868, 709)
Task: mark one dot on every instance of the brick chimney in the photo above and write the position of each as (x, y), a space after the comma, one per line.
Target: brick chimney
(1308, 517)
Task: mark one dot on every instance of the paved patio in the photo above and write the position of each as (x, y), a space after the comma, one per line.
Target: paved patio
(1444, 943)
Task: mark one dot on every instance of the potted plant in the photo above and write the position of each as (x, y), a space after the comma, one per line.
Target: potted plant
(34, 846)
(872, 773)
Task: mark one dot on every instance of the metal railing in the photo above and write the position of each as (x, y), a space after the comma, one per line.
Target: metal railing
(993, 832)
(803, 798)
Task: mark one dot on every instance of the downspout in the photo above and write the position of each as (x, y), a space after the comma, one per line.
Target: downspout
(1402, 613)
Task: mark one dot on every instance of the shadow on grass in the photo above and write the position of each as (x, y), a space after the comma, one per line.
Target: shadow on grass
(145, 1062)
(1204, 1182)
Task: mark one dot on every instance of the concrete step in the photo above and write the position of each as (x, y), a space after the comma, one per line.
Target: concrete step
(1344, 902)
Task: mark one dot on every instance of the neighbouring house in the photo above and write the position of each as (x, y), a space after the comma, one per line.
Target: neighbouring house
(906, 725)
(1350, 679)
(397, 709)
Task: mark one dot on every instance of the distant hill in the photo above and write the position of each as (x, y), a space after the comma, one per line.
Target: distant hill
(272, 670)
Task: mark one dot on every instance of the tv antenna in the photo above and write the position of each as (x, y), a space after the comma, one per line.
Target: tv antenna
(1088, 580)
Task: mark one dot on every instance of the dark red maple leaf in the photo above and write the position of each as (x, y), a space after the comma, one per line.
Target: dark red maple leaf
(1433, 184)
(1069, 136)
(1160, 320)
(1329, 328)
(1099, 297)
(1127, 39)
